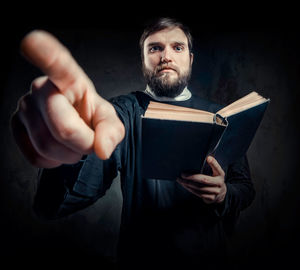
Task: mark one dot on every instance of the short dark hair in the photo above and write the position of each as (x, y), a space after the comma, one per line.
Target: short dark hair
(163, 23)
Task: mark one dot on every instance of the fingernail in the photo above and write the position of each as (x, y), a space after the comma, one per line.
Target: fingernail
(209, 159)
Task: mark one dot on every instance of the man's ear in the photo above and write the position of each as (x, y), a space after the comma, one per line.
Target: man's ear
(191, 58)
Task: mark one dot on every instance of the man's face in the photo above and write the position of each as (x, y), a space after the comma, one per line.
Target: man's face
(167, 62)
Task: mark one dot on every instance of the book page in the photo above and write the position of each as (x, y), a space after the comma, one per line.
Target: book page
(172, 112)
(180, 116)
(158, 105)
(251, 100)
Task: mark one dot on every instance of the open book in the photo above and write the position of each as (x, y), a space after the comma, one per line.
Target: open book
(176, 139)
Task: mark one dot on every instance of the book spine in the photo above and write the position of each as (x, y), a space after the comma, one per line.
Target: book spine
(220, 125)
(221, 121)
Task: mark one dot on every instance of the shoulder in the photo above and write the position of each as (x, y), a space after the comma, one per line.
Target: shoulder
(132, 103)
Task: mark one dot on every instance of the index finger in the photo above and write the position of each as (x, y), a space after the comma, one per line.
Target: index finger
(201, 180)
(48, 54)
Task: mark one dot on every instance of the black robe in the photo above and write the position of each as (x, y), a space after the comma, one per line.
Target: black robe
(162, 223)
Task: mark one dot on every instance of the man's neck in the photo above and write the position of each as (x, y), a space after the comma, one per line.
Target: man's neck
(184, 95)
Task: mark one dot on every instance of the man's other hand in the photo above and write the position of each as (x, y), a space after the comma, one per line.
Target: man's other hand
(211, 189)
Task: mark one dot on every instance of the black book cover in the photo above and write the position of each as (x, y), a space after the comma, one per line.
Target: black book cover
(171, 147)
(239, 134)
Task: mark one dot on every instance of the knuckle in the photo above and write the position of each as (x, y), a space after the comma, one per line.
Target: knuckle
(120, 130)
(24, 102)
(66, 132)
(27, 104)
(114, 138)
(212, 197)
(219, 185)
(105, 110)
(204, 180)
(221, 172)
(208, 199)
(22, 106)
(37, 83)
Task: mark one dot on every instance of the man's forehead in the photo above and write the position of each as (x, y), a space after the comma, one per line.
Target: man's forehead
(167, 35)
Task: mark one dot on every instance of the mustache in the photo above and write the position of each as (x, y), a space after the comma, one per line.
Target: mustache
(166, 66)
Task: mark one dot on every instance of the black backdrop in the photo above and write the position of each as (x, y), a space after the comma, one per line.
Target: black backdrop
(236, 51)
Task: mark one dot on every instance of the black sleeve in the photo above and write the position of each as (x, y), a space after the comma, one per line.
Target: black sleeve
(240, 189)
(69, 188)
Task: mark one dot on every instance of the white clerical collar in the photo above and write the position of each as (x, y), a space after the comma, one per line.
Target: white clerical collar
(185, 95)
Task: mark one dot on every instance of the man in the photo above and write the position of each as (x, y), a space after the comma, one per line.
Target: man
(82, 141)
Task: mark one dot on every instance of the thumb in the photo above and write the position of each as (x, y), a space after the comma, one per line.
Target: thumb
(109, 130)
(215, 166)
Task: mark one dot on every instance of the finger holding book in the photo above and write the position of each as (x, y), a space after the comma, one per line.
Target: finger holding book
(211, 189)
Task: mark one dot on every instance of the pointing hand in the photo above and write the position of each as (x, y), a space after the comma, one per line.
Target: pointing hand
(62, 117)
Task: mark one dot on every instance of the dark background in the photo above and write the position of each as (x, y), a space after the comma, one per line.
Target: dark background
(236, 51)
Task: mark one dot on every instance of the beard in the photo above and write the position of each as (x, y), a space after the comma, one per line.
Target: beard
(163, 85)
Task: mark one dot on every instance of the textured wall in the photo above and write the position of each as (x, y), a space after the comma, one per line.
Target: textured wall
(227, 65)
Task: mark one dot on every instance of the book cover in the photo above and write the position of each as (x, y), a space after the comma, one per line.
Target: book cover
(239, 134)
(171, 147)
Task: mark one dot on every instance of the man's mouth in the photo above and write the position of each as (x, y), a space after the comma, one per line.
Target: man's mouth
(166, 69)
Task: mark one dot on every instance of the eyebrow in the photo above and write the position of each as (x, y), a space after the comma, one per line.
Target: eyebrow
(179, 43)
(154, 44)
(160, 44)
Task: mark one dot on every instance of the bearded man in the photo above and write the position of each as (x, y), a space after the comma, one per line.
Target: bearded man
(82, 141)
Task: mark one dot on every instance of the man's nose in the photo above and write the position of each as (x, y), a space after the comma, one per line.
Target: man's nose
(166, 56)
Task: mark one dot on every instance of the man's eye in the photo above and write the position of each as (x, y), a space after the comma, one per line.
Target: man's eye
(178, 48)
(154, 49)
